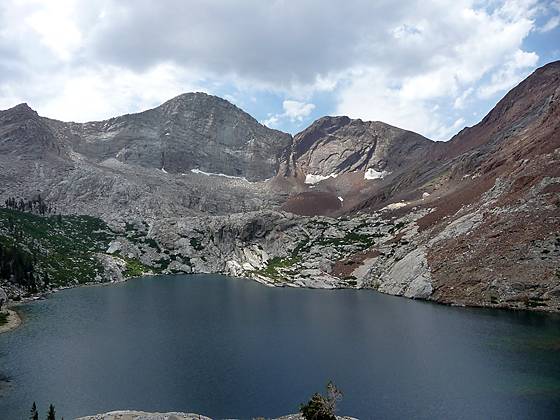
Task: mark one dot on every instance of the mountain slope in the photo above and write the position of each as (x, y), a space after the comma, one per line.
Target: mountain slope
(491, 232)
(340, 161)
(155, 163)
(191, 131)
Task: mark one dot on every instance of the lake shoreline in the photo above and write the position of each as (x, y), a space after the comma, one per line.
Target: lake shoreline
(14, 321)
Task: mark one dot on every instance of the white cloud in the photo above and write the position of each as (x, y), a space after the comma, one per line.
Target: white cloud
(412, 63)
(457, 49)
(272, 121)
(552, 10)
(550, 24)
(515, 69)
(94, 93)
(294, 111)
(460, 100)
(57, 30)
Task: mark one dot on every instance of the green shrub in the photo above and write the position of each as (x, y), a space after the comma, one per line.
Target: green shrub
(321, 407)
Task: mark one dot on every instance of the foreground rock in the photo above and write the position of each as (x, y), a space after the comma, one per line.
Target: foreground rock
(140, 415)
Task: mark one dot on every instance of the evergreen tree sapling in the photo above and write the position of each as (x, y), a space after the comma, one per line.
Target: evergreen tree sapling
(34, 413)
(52, 414)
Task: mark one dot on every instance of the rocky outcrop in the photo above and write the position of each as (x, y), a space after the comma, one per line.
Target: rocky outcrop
(280, 249)
(141, 415)
(3, 299)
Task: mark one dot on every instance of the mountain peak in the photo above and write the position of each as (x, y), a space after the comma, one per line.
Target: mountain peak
(22, 108)
(18, 113)
(198, 97)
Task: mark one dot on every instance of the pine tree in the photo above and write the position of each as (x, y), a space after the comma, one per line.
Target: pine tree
(52, 414)
(34, 413)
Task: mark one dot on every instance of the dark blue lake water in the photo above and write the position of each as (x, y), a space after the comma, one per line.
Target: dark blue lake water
(229, 347)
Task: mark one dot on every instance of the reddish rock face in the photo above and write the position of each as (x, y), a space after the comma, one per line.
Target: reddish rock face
(504, 173)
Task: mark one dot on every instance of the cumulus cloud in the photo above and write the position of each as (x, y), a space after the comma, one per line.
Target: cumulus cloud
(295, 111)
(456, 52)
(551, 12)
(411, 63)
(515, 69)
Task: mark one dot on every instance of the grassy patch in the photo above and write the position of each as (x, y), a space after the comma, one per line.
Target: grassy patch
(134, 267)
(351, 238)
(277, 263)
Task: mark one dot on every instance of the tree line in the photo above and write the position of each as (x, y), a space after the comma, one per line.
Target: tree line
(18, 267)
(36, 205)
(51, 414)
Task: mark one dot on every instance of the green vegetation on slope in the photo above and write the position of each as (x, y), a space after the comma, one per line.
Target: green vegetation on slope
(62, 247)
(277, 267)
(271, 269)
(55, 251)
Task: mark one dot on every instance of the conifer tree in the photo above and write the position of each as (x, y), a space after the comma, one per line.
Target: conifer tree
(52, 414)
(34, 413)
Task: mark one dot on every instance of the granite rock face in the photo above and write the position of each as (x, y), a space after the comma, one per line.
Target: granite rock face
(193, 131)
(332, 146)
(194, 154)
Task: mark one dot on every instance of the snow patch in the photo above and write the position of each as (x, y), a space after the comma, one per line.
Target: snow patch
(199, 172)
(315, 178)
(373, 174)
(394, 206)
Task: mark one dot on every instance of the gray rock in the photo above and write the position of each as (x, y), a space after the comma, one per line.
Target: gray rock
(3, 299)
(140, 165)
(338, 145)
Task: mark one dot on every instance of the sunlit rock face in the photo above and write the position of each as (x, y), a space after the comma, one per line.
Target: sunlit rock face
(148, 164)
(332, 146)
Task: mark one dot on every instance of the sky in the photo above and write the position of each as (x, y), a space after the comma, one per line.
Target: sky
(432, 67)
